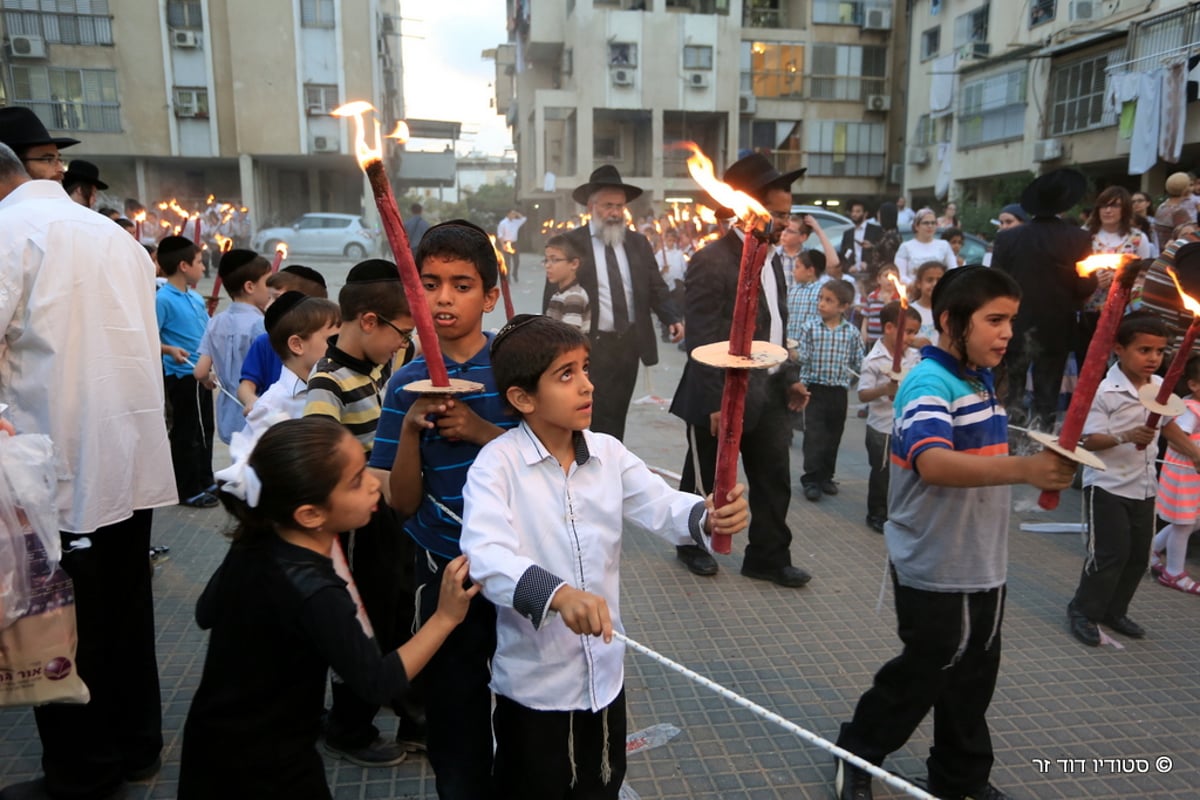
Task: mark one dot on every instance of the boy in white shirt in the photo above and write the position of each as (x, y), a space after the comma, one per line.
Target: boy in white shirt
(299, 328)
(877, 389)
(545, 504)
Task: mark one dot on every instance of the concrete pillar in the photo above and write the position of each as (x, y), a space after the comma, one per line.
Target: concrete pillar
(249, 190)
(139, 168)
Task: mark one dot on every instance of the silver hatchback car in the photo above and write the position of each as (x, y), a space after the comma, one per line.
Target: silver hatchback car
(321, 235)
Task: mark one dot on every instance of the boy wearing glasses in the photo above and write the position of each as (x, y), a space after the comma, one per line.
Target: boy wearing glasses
(570, 302)
(347, 384)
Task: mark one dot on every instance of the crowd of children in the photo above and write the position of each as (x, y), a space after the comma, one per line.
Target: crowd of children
(511, 632)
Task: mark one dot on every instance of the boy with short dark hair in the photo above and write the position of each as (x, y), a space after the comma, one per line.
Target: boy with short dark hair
(262, 367)
(428, 443)
(570, 302)
(878, 388)
(560, 700)
(230, 332)
(182, 320)
(830, 355)
(299, 328)
(802, 297)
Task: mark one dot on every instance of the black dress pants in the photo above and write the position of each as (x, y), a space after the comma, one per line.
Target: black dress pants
(191, 434)
(614, 371)
(824, 422)
(932, 673)
(879, 457)
(766, 453)
(88, 749)
(1122, 530)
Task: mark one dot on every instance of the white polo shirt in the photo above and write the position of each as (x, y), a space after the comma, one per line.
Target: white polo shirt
(1117, 408)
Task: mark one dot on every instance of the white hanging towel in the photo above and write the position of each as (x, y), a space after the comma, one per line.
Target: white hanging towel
(1174, 112)
(1143, 150)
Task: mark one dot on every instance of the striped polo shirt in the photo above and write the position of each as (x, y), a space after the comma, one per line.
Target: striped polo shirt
(348, 389)
(444, 462)
(939, 538)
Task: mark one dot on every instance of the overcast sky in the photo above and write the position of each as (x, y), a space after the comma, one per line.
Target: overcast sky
(444, 76)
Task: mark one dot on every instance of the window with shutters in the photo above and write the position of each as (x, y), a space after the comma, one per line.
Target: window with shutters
(846, 148)
(320, 98)
(78, 22)
(317, 13)
(68, 99)
(992, 109)
(846, 72)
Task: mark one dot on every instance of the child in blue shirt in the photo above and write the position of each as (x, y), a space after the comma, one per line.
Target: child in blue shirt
(182, 319)
(947, 540)
(244, 274)
(428, 443)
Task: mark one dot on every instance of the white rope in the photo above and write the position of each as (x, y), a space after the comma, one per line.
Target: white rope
(894, 781)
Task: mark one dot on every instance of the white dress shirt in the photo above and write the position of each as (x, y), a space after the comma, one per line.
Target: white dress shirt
(603, 303)
(80, 360)
(529, 528)
(1116, 407)
(285, 396)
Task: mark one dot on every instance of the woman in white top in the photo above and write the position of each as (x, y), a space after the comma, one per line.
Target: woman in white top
(924, 247)
(1111, 225)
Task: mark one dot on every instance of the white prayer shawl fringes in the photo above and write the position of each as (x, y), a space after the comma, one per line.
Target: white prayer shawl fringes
(887, 563)
(571, 748)
(966, 632)
(1091, 544)
(605, 763)
(996, 617)
(887, 450)
(415, 625)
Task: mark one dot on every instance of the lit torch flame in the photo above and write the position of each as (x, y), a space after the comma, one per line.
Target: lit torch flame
(1189, 302)
(499, 254)
(401, 133)
(365, 153)
(224, 243)
(140, 216)
(745, 208)
(282, 249)
(891, 276)
(1099, 261)
(211, 199)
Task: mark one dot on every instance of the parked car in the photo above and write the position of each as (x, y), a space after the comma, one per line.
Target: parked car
(833, 223)
(321, 235)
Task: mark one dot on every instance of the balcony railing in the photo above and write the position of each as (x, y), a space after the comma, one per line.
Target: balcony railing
(788, 85)
(763, 17)
(64, 115)
(55, 28)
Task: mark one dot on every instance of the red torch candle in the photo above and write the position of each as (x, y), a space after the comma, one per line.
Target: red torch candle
(1095, 363)
(371, 161)
(196, 237)
(901, 323)
(1179, 362)
(505, 291)
(281, 251)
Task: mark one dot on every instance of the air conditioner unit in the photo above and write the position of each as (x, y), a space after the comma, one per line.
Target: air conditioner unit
(325, 144)
(698, 80)
(185, 39)
(622, 77)
(747, 104)
(879, 102)
(877, 19)
(896, 174)
(27, 47)
(1047, 150)
(918, 156)
(974, 51)
(1082, 10)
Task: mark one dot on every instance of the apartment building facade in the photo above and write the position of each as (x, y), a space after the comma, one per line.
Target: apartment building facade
(186, 98)
(997, 90)
(809, 83)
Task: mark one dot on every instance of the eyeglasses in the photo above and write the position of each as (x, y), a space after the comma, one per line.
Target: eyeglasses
(46, 159)
(927, 222)
(548, 260)
(405, 336)
(782, 216)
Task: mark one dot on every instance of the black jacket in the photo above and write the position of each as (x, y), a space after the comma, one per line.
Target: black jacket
(712, 278)
(1041, 256)
(872, 234)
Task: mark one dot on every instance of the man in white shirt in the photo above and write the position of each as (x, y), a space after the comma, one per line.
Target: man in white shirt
(904, 215)
(506, 238)
(672, 263)
(80, 362)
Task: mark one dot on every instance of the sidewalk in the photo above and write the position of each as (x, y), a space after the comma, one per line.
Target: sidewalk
(807, 654)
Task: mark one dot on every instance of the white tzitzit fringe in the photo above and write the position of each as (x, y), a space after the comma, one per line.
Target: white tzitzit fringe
(894, 781)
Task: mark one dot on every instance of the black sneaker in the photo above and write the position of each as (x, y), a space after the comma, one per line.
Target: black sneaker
(829, 487)
(988, 792)
(1126, 627)
(202, 500)
(851, 783)
(412, 736)
(812, 493)
(875, 523)
(379, 753)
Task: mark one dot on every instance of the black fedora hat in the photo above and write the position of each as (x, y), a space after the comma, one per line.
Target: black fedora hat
(80, 171)
(756, 175)
(604, 176)
(20, 127)
(1053, 193)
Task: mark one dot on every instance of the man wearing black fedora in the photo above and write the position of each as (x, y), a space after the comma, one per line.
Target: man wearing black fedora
(23, 131)
(711, 287)
(1041, 256)
(81, 182)
(618, 271)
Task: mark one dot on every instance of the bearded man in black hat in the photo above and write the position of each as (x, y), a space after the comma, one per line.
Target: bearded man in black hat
(1041, 256)
(81, 182)
(618, 271)
(21, 130)
(711, 287)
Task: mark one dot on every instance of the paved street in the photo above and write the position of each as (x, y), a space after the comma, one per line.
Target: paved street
(807, 654)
